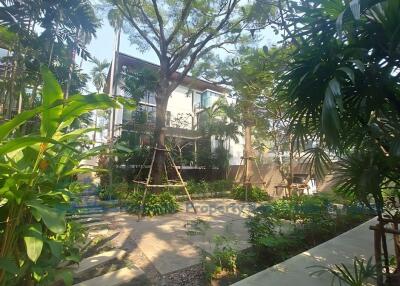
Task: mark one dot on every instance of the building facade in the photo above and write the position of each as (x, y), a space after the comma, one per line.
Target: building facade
(185, 115)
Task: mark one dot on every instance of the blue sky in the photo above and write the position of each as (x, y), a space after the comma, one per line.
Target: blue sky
(102, 47)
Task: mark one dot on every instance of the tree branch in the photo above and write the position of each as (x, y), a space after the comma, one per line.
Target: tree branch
(160, 22)
(127, 14)
(200, 45)
(182, 20)
(149, 23)
(178, 57)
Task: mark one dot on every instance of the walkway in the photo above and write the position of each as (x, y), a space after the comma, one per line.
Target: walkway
(164, 240)
(341, 249)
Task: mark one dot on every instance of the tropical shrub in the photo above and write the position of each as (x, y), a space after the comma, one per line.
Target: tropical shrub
(223, 258)
(114, 191)
(37, 186)
(304, 208)
(347, 54)
(220, 186)
(362, 273)
(214, 187)
(200, 187)
(261, 224)
(288, 225)
(155, 204)
(254, 194)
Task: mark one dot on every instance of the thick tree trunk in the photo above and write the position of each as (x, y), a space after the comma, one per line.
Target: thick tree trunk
(249, 157)
(159, 136)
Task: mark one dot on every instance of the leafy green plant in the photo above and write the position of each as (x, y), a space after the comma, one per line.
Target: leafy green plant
(339, 54)
(254, 194)
(287, 226)
(302, 208)
(361, 273)
(155, 204)
(114, 191)
(262, 224)
(223, 257)
(200, 187)
(212, 187)
(220, 186)
(37, 186)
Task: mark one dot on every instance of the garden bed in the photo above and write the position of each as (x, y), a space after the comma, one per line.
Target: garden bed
(285, 228)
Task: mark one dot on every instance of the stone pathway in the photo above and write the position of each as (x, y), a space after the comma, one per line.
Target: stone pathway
(99, 269)
(164, 240)
(341, 249)
(121, 276)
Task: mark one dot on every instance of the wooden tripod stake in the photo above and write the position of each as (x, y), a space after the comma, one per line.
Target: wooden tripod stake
(245, 178)
(148, 185)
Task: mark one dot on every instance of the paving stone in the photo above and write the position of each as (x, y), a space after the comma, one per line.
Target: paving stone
(164, 239)
(83, 216)
(115, 278)
(97, 224)
(96, 260)
(341, 249)
(99, 232)
(88, 220)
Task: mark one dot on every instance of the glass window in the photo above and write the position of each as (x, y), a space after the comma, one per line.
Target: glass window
(149, 98)
(208, 98)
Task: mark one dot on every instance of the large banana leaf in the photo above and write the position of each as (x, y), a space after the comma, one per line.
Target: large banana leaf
(76, 134)
(23, 142)
(51, 93)
(8, 127)
(80, 104)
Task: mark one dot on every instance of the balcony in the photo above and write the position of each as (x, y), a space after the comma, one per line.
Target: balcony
(148, 127)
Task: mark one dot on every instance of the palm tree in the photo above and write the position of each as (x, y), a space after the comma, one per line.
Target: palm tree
(99, 73)
(99, 77)
(342, 87)
(60, 22)
(222, 124)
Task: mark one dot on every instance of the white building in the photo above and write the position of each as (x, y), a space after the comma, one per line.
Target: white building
(185, 111)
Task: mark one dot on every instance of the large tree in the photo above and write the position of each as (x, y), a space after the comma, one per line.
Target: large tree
(252, 76)
(179, 33)
(46, 32)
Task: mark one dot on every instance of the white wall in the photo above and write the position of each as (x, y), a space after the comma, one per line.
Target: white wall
(180, 102)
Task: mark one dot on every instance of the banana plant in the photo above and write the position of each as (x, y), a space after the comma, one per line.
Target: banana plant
(37, 185)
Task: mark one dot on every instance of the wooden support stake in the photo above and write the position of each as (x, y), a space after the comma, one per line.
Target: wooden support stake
(147, 183)
(378, 254)
(184, 186)
(237, 171)
(166, 186)
(139, 182)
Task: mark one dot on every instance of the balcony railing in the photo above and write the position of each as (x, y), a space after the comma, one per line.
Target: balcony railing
(131, 125)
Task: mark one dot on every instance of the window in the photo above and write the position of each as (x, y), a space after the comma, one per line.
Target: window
(149, 99)
(202, 119)
(142, 115)
(208, 98)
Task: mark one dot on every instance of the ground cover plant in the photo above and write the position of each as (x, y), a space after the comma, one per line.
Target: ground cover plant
(250, 194)
(37, 184)
(283, 228)
(218, 188)
(362, 272)
(155, 204)
(223, 258)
